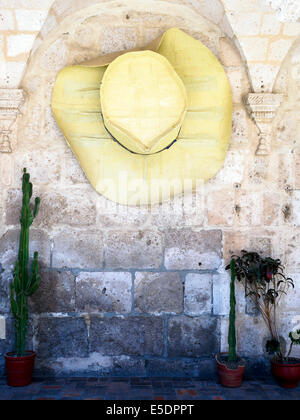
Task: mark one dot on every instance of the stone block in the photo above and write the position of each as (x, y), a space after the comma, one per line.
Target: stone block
(204, 369)
(169, 214)
(50, 24)
(60, 8)
(19, 44)
(198, 294)
(247, 24)
(78, 249)
(55, 294)
(181, 211)
(239, 83)
(50, 129)
(185, 249)
(133, 249)
(297, 170)
(291, 302)
(104, 292)
(6, 20)
(263, 76)
(95, 365)
(251, 307)
(270, 25)
(61, 337)
(125, 366)
(291, 28)
(233, 170)
(261, 245)
(286, 130)
(32, 4)
(44, 167)
(2, 56)
(285, 171)
(255, 48)
(279, 49)
(212, 10)
(30, 20)
(249, 208)
(136, 336)
(158, 293)
(252, 335)
(74, 207)
(5, 279)
(11, 73)
(118, 39)
(233, 243)
(193, 337)
(72, 173)
(194, 208)
(239, 126)
(13, 204)
(258, 171)
(220, 207)
(6, 169)
(9, 244)
(246, 5)
(55, 57)
(292, 250)
(113, 215)
(296, 207)
(2, 327)
(221, 295)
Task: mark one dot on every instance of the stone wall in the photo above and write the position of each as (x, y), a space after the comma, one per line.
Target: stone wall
(122, 290)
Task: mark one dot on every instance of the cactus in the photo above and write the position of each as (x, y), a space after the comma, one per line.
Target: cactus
(232, 357)
(25, 282)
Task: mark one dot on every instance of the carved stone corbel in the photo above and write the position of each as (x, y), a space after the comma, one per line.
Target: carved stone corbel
(10, 102)
(262, 108)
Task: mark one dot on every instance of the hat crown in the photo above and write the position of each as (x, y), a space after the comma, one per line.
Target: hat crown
(143, 102)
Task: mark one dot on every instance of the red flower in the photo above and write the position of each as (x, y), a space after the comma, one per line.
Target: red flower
(269, 273)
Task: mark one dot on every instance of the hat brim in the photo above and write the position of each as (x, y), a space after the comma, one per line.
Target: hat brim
(131, 179)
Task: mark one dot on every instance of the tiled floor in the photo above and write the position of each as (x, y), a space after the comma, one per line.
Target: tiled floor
(143, 389)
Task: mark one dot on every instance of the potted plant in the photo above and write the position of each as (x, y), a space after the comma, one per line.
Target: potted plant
(265, 283)
(286, 369)
(20, 363)
(231, 368)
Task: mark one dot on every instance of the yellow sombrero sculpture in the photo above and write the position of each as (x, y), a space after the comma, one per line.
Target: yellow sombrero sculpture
(145, 124)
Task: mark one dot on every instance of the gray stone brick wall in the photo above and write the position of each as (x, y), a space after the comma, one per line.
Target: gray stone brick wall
(135, 307)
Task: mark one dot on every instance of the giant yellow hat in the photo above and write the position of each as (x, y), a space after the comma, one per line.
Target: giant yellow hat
(146, 124)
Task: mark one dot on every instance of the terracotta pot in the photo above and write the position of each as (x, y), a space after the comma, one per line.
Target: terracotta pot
(231, 378)
(287, 375)
(19, 369)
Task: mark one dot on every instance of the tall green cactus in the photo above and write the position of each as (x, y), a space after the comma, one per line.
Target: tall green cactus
(25, 282)
(232, 357)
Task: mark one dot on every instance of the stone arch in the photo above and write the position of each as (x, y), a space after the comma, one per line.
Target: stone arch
(65, 10)
(212, 10)
(287, 121)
